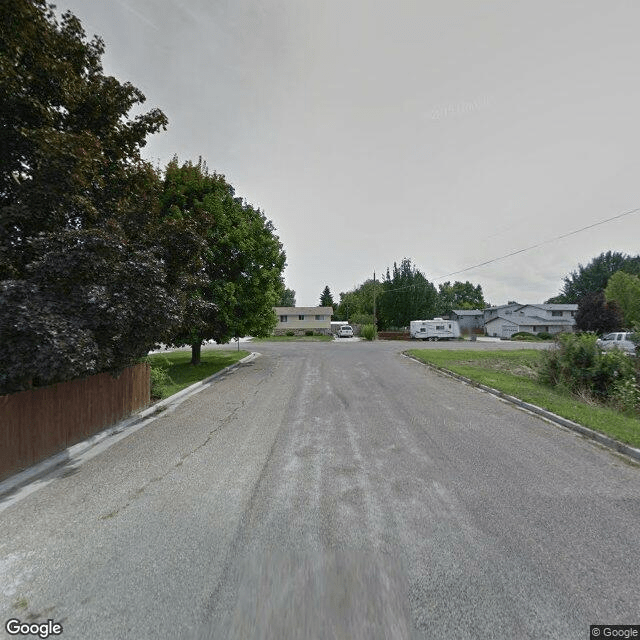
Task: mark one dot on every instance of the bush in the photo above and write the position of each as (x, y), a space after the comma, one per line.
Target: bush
(577, 364)
(625, 396)
(160, 380)
(291, 333)
(368, 331)
(543, 335)
(308, 332)
(524, 336)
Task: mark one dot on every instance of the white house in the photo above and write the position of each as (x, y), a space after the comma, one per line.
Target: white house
(532, 318)
(302, 319)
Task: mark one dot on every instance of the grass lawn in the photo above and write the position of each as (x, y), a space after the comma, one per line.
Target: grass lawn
(514, 373)
(294, 339)
(181, 373)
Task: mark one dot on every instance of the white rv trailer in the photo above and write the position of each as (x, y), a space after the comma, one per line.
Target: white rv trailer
(436, 329)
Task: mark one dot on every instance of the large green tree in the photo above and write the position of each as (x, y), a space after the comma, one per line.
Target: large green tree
(81, 289)
(594, 276)
(237, 269)
(407, 295)
(596, 314)
(288, 298)
(357, 305)
(459, 295)
(624, 289)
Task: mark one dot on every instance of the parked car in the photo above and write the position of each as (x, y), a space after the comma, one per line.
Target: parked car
(345, 331)
(620, 340)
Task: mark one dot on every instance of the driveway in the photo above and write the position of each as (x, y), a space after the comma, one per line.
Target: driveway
(332, 490)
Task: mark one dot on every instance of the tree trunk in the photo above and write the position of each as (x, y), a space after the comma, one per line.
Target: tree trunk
(195, 353)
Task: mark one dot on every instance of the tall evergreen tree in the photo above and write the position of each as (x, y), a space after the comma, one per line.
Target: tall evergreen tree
(406, 295)
(326, 299)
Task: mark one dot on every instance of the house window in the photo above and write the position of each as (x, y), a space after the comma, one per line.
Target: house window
(283, 318)
(319, 317)
(300, 317)
(556, 313)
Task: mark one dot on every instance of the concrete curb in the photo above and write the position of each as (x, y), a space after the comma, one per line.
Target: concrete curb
(80, 451)
(608, 442)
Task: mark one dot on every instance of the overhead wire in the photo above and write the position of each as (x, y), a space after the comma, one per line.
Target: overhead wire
(539, 244)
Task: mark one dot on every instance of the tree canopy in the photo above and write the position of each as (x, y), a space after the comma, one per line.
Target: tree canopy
(406, 295)
(595, 275)
(288, 298)
(80, 291)
(403, 295)
(101, 255)
(238, 266)
(357, 305)
(459, 295)
(596, 314)
(624, 290)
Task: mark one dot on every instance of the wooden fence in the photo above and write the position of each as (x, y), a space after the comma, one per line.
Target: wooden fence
(38, 423)
(394, 335)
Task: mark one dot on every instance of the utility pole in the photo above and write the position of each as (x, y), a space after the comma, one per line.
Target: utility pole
(375, 321)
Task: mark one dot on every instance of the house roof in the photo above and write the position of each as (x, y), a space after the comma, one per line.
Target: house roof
(538, 320)
(553, 307)
(468, 312)
(531, 320)
(283, 311)
(504, 306)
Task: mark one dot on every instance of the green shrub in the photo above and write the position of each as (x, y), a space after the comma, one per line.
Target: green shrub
(368, 331)
(625, 396)
(578, 365)
(160, 380)
(524, 336)
(308, 332)
(543, 335)
(611, 368)
(291, 333)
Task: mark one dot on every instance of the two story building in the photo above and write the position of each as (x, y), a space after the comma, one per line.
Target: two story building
(303, 319)
(503, 322)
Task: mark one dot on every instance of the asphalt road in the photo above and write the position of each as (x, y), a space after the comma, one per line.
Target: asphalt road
(332, 490)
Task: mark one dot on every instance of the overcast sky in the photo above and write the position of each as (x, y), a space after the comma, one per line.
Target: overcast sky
(449, 132)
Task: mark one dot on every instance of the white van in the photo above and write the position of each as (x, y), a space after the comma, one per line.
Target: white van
(436, 329)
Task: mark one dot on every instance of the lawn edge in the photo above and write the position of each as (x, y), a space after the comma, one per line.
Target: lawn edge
(602, 439)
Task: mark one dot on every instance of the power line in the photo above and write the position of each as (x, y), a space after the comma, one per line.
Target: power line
(539, 244)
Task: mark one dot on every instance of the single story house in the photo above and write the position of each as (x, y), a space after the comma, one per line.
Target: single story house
(532, 318)
(302, 319)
